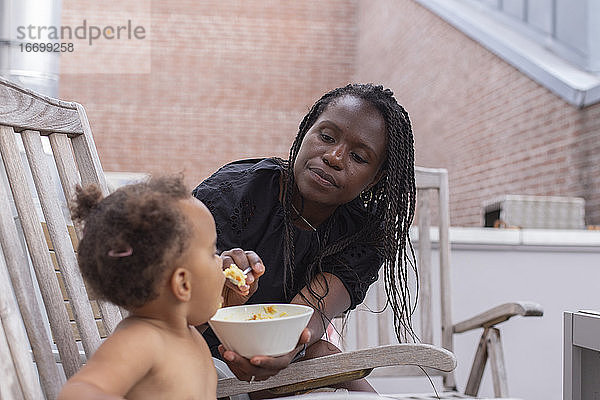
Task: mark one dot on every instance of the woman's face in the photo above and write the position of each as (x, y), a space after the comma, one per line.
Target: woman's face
(342, 152)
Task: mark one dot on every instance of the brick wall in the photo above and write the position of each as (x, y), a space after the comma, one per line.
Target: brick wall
(232, 79)
(494, 129)
(229, 80)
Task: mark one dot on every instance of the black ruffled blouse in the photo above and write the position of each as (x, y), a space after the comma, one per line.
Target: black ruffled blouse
(243, 198)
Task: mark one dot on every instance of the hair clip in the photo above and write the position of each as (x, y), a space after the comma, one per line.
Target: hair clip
(120, 254)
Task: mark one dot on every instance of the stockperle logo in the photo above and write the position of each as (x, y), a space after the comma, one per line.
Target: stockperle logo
(85, 31)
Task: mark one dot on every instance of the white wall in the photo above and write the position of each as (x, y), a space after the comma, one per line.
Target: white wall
(558, 269)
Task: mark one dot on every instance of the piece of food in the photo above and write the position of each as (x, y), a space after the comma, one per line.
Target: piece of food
(234, 273)
(270, 312)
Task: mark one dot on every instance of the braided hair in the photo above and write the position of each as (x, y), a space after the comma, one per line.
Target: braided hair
(389, 205)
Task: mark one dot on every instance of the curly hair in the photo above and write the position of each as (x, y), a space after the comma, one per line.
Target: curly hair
(389, 205)
(130, 238)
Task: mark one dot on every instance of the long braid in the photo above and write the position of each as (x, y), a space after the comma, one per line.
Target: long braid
(390, 205)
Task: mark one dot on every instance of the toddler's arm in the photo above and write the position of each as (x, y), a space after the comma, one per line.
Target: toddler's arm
(119, 363)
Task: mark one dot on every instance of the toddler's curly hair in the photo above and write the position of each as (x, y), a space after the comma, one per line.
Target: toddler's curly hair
(130, 238)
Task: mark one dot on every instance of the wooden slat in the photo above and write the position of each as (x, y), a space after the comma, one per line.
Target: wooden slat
(59, 235)
(23, 109)
(72, 235)
(427, 178)
(383, 319)
(499, 314)
(494, 348)
(38, 251)
(362, 333)
(429, 396)
(11, 387)
(399, 354)
(95, 309)
(14, 343)
(404, 371)
(86, 155)
(99, 327)
(478, 367)
(67, 169)
(22, 282)
(445, 288)
(91, 172)
(424, 266)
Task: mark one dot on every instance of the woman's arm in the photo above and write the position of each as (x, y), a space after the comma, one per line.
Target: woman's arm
(336, 301)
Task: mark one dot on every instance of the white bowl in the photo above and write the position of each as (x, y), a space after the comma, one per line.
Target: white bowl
(261, 337)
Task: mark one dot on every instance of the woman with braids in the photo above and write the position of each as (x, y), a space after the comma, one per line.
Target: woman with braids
(323, 222)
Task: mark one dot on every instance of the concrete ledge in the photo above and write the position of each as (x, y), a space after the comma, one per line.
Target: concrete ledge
(517, 239)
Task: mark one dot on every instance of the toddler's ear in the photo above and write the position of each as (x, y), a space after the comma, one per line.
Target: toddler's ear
(181, 284)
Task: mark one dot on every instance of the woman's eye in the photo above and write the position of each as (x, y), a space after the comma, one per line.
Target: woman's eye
(358, 158)
(326, 138)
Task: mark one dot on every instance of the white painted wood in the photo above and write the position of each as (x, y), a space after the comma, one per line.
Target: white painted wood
(61, 240)
(585, 331)
(18, 270)
(400, 354)
(38, 251)
(24, 109)
(497, 365)
(571, 362)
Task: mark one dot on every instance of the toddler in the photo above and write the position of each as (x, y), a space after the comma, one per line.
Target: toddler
(150, 248)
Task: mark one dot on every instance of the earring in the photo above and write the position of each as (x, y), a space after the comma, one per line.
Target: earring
(366, 196)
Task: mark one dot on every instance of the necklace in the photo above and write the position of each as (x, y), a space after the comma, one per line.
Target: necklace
(302, 218)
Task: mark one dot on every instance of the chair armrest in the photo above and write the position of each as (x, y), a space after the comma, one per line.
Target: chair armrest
(499, 314)
(337, 364)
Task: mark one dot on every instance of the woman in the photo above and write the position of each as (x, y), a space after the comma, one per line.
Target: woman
(324, 221)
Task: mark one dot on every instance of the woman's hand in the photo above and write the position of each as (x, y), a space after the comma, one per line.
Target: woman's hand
(261, 367)
(232, 294)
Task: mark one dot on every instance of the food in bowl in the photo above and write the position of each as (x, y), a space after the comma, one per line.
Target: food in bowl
(241, 328)
(269, 312)
(234, 273)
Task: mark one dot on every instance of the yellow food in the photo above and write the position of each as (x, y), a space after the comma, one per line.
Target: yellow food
(269, 313)
(235, 273)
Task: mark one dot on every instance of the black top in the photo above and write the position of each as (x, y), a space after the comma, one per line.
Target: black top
(243, 198)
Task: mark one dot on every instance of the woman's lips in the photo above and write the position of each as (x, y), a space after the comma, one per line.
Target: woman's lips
(323, 177)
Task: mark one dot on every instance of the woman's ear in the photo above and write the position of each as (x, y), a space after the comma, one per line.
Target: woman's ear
(380, 174)
(181, 284)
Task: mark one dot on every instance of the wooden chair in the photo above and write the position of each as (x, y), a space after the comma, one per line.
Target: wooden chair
(375, 329)
(26, 117)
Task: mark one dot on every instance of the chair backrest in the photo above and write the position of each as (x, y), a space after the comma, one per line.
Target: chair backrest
(25, 119)
(433, 325)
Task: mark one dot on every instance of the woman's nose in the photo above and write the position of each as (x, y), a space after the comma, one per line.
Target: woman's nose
(334, 157)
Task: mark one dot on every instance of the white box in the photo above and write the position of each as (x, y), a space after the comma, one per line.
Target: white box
(550, 212)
